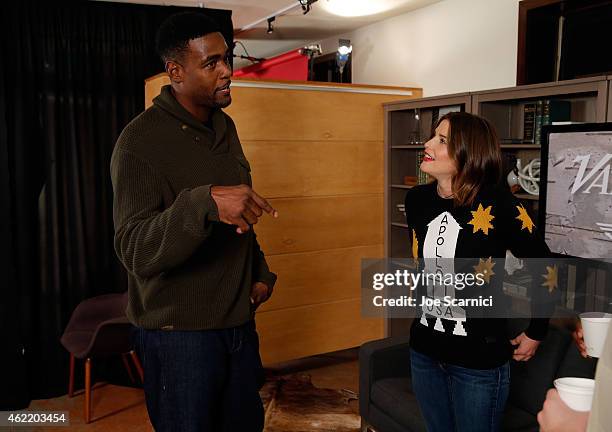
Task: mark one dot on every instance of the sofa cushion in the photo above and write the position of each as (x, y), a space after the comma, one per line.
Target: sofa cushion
(529, 381)
(394, 396)
(518, 420)
(380, 421)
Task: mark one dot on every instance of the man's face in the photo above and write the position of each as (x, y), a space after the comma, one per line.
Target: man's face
(206, 71)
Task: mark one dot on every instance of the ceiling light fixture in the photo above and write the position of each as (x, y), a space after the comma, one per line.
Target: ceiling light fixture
(304, 4)
(356, 8)
(270, 27)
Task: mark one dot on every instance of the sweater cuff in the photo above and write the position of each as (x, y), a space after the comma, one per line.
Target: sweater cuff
(538, 329)
(205, 203)
(268, 278)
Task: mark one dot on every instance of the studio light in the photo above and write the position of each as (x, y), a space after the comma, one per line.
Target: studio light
(342, 56)
(312, 50)
(306, 5)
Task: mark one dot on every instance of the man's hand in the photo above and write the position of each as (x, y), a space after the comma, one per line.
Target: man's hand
(240, 206)
(578, 337)
(556, 416)
(260, 292)
(526, 347)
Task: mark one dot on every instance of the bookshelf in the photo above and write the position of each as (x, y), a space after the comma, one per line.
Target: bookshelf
(408, 126)
(581, 100)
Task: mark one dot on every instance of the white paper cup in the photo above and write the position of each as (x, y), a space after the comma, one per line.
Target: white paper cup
(577, 393)
(595, 327)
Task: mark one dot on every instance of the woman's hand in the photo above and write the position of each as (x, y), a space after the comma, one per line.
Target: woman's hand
(526, 347)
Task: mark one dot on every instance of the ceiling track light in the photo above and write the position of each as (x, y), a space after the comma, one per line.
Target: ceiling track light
(306, 5)
(270, 27)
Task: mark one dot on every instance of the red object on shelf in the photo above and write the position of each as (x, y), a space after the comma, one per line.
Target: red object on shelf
(291, 66)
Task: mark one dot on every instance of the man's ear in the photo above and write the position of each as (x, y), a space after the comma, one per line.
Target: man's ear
(174, 71)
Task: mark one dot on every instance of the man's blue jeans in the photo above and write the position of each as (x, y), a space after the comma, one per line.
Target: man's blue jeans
(454, 398)
(202, 380)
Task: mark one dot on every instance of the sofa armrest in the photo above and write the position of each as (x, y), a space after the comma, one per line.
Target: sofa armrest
(383, 358)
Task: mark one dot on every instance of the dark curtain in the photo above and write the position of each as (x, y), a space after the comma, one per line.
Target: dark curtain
(71, 77)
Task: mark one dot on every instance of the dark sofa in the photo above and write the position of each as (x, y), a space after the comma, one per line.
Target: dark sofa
(387, 403)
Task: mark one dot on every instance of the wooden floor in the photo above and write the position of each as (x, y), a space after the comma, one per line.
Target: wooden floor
(123, 409)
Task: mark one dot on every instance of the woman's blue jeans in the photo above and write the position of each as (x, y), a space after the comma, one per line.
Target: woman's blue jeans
(454, 398)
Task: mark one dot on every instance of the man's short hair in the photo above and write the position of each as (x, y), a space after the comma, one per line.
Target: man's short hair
(177, 30)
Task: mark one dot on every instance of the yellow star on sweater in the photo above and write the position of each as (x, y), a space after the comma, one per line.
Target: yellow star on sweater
(551, 278)
(485, 268)
(415, 245)
(481, 219)
(525, 219)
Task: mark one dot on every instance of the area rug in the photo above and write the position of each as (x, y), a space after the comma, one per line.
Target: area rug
(293, 404)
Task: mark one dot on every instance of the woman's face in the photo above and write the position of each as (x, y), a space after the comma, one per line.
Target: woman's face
(437, 162)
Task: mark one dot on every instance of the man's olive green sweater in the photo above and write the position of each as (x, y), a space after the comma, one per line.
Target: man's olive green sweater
(186, 270)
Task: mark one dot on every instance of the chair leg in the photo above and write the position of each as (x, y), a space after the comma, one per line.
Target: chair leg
(71, 378)
(87, 390)
(127, 367)
(138, 365)
(364, 426)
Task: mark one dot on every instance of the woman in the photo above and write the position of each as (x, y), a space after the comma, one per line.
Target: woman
(460, 366)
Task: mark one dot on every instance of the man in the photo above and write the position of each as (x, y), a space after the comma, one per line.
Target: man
(183, 214)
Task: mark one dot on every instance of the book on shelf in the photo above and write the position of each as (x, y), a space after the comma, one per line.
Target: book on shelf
(545, 113)
(549, 111)
(529, 123)
(557, 111)
(538, 122)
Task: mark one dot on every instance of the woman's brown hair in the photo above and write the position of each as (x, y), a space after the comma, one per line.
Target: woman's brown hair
(474, 146)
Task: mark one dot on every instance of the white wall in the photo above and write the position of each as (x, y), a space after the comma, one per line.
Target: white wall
(449, 47)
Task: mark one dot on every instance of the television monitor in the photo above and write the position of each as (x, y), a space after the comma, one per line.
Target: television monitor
(576, 189)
